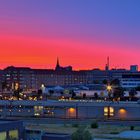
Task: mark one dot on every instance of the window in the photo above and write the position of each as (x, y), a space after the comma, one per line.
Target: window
(122, 113)
(71, 112)
(108, 111)
(13, 134)
(38, 110)
(3, 135)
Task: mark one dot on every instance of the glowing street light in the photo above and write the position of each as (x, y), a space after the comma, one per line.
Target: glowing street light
(42, 86)
(109, 88)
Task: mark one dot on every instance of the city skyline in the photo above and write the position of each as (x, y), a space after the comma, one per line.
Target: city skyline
(81, 34)
(69, 69)
(66, 67)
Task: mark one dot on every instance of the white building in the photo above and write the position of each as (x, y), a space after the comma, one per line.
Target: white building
(129, 81)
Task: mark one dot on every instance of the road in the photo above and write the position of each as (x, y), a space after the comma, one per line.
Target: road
(74, 121)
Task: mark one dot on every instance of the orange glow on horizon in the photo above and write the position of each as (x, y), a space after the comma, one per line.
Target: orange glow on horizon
(42, 53)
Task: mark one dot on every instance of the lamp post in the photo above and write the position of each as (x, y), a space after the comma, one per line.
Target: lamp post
(109, 89)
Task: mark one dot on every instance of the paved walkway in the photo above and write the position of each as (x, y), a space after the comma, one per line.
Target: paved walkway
(126, 134)
(100, 139)
(130, 134)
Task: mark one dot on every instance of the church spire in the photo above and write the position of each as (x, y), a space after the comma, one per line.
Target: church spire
(57, 64)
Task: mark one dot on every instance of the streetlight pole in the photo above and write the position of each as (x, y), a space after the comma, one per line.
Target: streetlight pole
(109, 89)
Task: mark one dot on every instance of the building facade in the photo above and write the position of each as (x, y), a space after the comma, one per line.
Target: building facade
(61, 78)
(32, 79)
(131, 80)
(11, 130)
(71, 109)
(19, 77)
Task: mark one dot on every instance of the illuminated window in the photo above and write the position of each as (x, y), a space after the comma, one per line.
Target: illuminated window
(13, 134)
(49, 111)
(38, 110)
(3, 135)
(16, 86)
(122, 113)
(108, 111)
(72, 112)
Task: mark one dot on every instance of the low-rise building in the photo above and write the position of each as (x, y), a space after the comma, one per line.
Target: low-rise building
(131, 80)
(32, 79)
(71, 109)
(11, 130)
(19, 77)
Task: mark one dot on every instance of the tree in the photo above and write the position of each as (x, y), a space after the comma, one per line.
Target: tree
(115, 82)
(51, 92)
(62, 93)
(17, 94)
(105, 82)
(132, 93)
(73, 94)
(137, 88)
(39, 93)
(82, 134)
(84, 95)
(102, 94)
(118, 92)
(96, 95)
(4, 85)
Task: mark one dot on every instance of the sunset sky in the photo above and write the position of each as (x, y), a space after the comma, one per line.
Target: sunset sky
(82, 33)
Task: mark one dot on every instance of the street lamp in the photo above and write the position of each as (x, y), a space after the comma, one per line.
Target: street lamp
(109, 89)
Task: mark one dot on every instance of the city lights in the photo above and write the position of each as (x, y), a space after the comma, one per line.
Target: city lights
(109, 88)
(69, 69)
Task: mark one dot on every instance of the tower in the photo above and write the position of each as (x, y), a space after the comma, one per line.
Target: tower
(107, 65)
(108, 62)
(57, 64)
